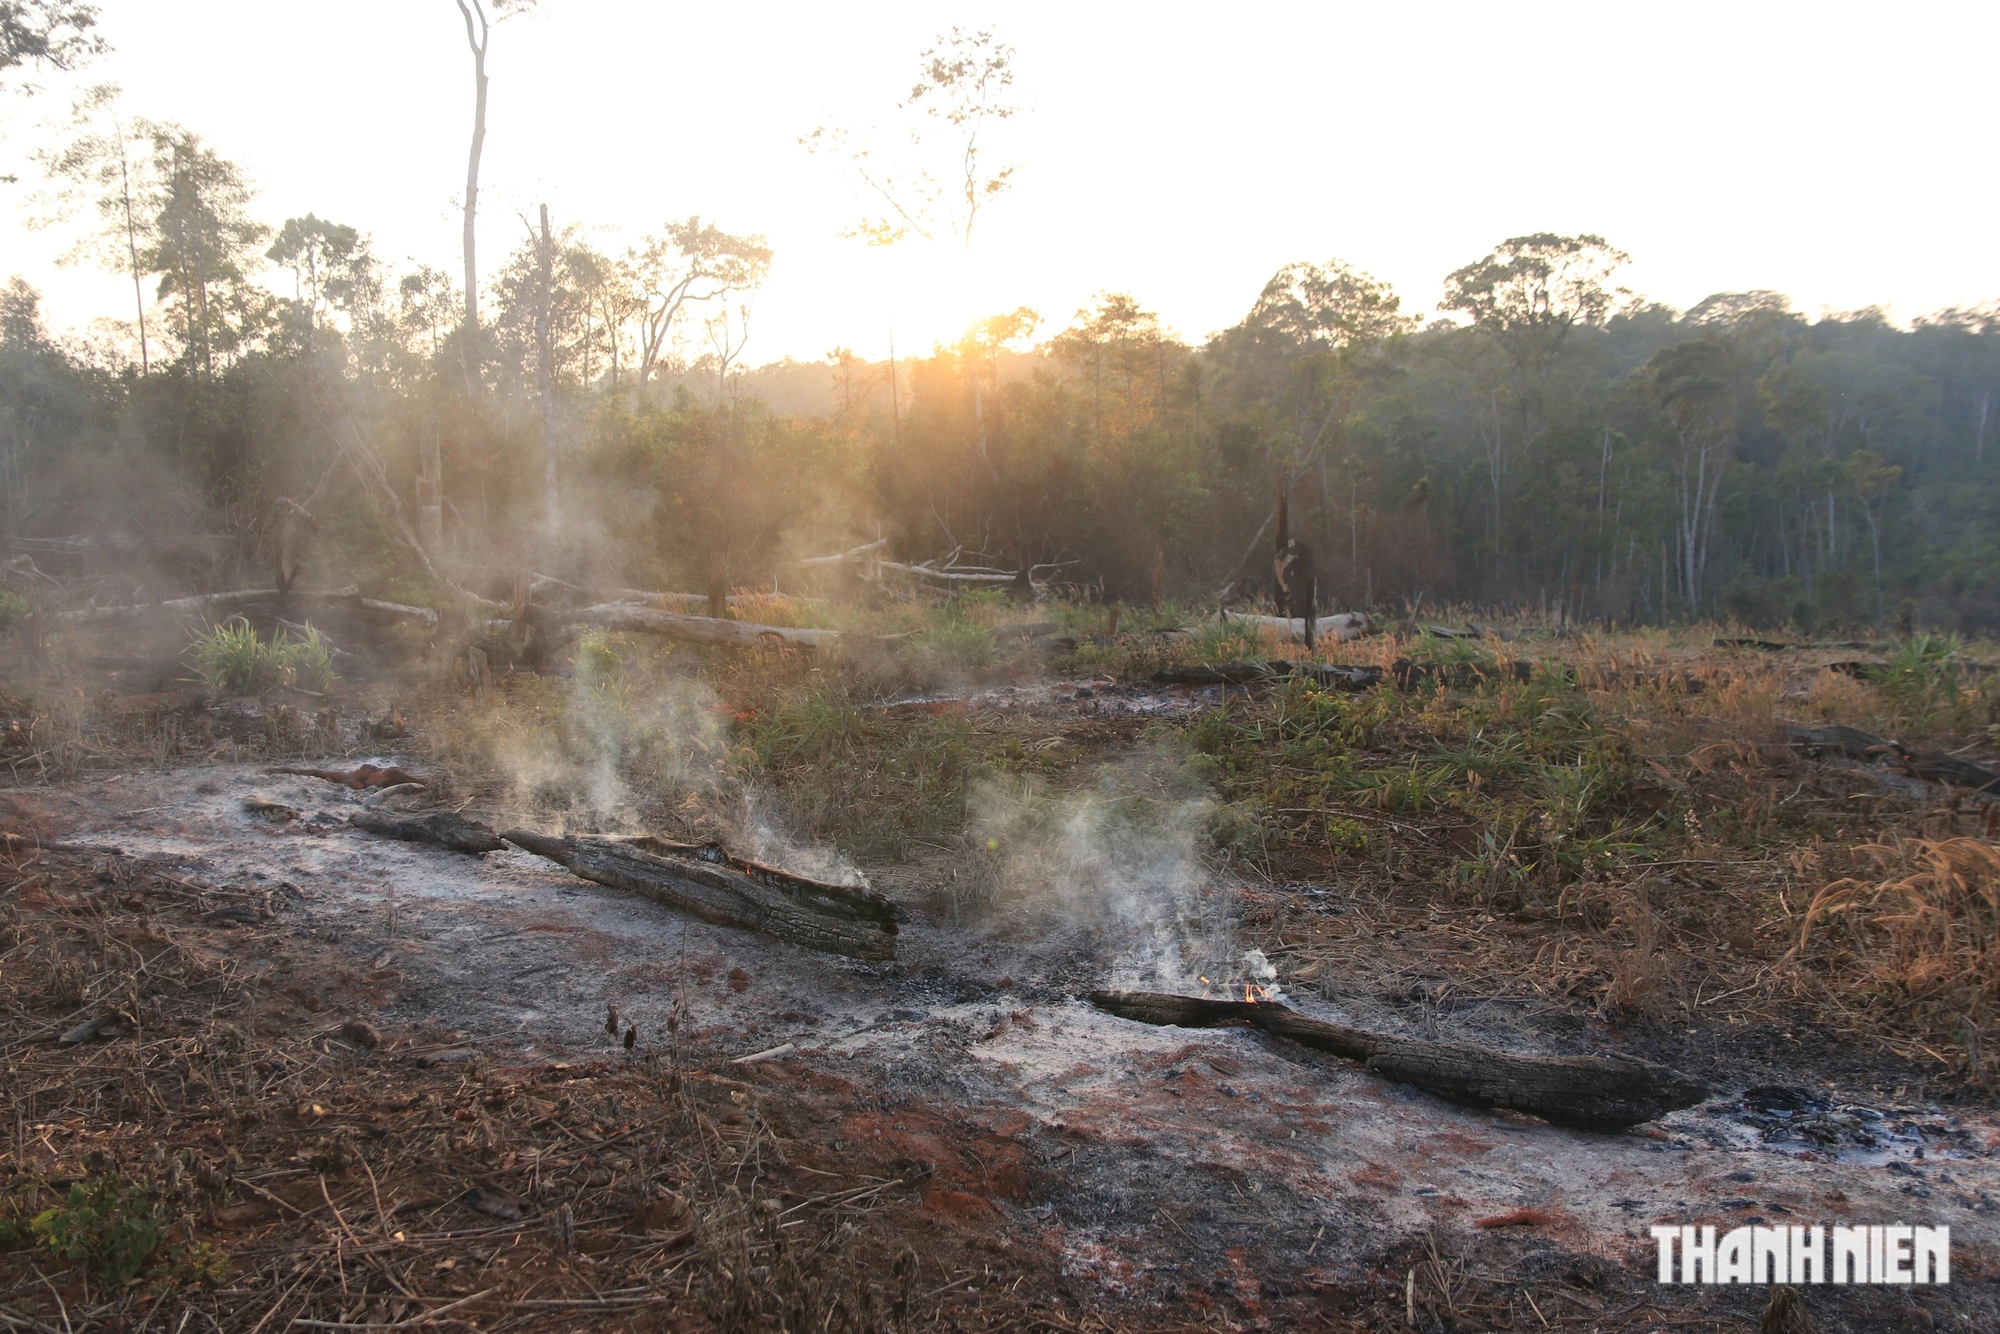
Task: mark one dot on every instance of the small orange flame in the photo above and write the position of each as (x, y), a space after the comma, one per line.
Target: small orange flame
(1255, 994)
(1205, 985)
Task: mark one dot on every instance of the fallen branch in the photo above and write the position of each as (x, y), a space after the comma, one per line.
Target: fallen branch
(635, 619)
(1588, 1092)
(348, 598)
(445, 829)
(199, 603)
(849, 554)
(841, 919)
(1340, 626)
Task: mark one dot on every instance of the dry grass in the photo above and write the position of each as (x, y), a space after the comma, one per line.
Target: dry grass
(230, 1149)
(1921, 936)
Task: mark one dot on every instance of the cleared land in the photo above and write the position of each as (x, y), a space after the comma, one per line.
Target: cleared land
(338, 1080)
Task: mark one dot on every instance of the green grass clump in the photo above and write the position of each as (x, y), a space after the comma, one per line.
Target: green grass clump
(959, 644)
(232, 660)
(1925, 681)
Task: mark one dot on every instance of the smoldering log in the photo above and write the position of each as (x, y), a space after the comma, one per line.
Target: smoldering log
(445, 829)
(839, 919)
(1586, 1092)
(859, 901)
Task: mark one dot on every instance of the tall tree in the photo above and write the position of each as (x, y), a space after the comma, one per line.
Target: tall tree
(478, 37)
(1696, 385)
(1527, 296)
(203, 244)
(47, 34)
(935, 184)
(329, 261)
(693, 263)
(107, 159)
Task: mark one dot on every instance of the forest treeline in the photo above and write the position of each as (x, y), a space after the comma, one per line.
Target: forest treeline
(1554, 441)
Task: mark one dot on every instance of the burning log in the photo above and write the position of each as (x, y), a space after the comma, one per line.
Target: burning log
(717, 887)
(1587, 1092)
(446, 829)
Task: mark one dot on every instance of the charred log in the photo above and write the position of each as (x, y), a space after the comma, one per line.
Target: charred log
(445, 829)
(729, 891)
(1587, 1092)
(1458, 676)
(1936, 765)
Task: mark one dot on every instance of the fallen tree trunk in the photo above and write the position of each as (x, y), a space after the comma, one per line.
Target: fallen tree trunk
(198, 603)
(1936, 765)
(446, 829)
(635, 619)
(1341, 626)
(347, 598)
(729, 891)
(1338, 675)
(1587, 1092)
(1458, 675)
(858, 901)
(862, 550)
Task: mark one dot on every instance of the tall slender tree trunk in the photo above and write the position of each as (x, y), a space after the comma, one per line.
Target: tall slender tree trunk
(545, 373)
(132, 249)
(477, 41)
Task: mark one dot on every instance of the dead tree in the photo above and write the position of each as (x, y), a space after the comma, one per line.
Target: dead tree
(1292, 573)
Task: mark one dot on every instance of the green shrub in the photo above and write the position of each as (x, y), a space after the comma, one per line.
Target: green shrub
(13, 608)
(234, 661)
(959, 643)
(107, 1223)
(1922, 678)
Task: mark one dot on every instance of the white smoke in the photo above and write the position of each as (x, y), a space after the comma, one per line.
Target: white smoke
(620, 745)
(1120, 860)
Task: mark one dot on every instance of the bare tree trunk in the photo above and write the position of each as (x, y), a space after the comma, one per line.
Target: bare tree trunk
(473, 13)
(132, 250)
(545, 374)
(430, 492)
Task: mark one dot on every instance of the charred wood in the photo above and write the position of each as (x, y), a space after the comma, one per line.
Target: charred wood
(1587, 1092)
(1935, 765)
(446, 829)
(730, 892)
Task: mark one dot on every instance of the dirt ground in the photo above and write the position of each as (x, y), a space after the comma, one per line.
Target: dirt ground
(395, 1085)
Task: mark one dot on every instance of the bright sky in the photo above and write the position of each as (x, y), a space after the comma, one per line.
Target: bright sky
(1834, 152)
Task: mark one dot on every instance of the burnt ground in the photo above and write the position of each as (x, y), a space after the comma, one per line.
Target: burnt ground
(956, 1133)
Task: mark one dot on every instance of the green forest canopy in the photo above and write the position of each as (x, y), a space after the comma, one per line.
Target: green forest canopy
(1558, 441)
